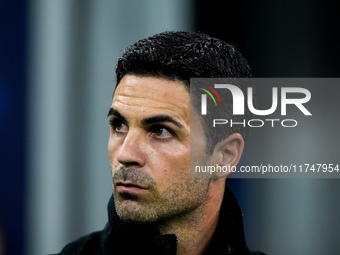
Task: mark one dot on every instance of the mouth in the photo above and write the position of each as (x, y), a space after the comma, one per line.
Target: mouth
(128, 187)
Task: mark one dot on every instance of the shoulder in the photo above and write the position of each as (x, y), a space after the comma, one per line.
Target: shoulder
(88, 244)
(257, 253)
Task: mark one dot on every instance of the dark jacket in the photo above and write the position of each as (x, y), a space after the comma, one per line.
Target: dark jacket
(121, 238)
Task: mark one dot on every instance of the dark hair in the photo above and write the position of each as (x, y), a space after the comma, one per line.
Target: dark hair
(184, 55)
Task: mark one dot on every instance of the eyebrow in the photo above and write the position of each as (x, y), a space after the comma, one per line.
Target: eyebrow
(161, 118)
(114, 112)
(147, 121)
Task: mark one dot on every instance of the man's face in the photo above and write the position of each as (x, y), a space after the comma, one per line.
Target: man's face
(149, 149)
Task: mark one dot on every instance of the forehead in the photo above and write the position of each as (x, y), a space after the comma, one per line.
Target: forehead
(144, 94)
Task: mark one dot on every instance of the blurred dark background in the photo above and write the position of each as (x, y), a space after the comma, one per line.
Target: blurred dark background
(279, 39)
(13, 88)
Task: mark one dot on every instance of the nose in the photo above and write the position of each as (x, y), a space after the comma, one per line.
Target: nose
(130, 152)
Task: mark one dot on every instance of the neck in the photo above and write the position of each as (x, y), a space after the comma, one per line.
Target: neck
(196, 229)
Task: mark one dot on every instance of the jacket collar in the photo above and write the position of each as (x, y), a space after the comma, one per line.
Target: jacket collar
(131, 238)
(229, 234)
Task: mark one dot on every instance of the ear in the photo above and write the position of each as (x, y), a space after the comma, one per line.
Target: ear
(227, 153)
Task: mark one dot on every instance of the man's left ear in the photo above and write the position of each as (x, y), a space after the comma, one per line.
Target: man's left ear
(227, 153)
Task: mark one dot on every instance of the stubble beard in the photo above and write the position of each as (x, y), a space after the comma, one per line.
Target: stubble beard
(181, 198)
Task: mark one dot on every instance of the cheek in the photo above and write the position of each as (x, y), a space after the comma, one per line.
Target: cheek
(171, 169)
(110, 148)
(112, 151)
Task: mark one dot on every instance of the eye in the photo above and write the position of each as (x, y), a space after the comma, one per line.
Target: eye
(118, 126)
(161, 132)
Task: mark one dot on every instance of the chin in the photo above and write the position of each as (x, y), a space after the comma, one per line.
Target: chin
(131, 211)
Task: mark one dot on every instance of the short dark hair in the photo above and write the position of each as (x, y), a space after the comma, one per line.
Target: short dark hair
(184, 55)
